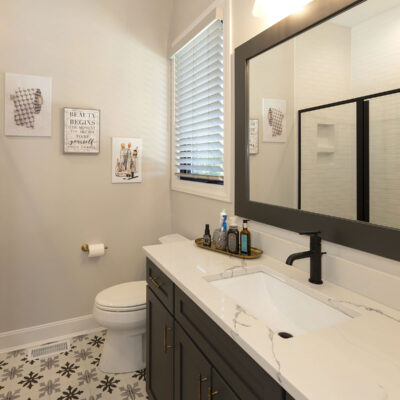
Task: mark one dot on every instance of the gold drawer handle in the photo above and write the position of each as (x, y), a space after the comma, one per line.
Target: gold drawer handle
(200, 381)
(211, 393)
(165, 345)
(154, 282)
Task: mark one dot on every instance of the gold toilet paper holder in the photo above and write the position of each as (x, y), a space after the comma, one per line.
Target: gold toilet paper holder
(85, 247)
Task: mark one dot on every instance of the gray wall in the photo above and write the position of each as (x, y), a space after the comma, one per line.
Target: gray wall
(109, 55)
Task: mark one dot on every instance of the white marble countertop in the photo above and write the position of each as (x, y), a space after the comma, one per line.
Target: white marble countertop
(358, 359)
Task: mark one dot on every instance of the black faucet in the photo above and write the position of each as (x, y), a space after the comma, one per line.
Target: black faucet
(315, 256)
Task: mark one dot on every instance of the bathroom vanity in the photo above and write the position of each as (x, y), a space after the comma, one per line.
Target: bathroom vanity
(213, 332)
(190, 357)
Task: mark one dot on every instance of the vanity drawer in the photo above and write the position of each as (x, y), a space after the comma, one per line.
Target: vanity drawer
(245, 376)
(160, 284)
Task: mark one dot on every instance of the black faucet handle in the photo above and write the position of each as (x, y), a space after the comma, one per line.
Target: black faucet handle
(316, 233)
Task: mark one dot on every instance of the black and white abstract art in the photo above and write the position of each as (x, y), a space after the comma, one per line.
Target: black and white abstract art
(274, 120)
(27, 105)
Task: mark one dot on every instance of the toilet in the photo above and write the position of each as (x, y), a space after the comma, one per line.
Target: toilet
(122, 310)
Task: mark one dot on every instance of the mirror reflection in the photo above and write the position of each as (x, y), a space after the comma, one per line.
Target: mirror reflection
(324, 118)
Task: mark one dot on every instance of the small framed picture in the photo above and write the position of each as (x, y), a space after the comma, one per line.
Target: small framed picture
(274, 120)
(81, 131)
(253, 136)
(126, 160)
(27, 105)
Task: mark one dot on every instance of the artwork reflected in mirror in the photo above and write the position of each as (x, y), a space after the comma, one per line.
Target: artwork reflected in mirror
(328, 102)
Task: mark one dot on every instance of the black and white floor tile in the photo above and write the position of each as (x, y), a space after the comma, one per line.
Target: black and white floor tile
(72, 375)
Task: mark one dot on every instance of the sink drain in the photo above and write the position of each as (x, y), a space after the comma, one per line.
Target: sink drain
(285, 335)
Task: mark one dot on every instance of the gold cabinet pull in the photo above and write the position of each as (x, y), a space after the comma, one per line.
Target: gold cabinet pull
(211, 393)
(154, 282)
(165, 345)
(165, 339)
(200, 381)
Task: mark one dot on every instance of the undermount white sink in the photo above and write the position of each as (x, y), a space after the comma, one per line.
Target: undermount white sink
(283, 307)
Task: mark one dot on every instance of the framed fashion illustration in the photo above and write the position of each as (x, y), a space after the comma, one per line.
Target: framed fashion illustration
(126, 160)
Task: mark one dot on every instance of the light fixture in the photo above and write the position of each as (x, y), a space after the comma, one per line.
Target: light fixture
(276, 10)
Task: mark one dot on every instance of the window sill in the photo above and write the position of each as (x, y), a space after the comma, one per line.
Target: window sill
(208, 190)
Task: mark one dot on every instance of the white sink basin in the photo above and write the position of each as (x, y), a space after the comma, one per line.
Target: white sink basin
(283, 307)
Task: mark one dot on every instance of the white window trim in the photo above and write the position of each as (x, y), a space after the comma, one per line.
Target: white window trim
(217, 192)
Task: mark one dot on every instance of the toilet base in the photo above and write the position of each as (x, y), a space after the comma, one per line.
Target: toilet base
(124, 351)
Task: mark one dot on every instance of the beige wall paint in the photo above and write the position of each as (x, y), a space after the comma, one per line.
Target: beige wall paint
(272, 171)
(245, 25)
(109, 55)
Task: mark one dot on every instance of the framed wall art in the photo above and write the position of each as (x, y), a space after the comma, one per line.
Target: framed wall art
(126, 160)
(274, 120)
(253, 136)
(81, 131)
(27, 105)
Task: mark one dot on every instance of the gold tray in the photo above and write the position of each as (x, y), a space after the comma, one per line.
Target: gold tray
(255, 253)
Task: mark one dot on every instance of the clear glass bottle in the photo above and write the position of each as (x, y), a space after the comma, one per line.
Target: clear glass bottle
(233, 239)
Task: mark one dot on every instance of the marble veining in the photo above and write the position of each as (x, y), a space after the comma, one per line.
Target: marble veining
(357, 359)
(366, 308)
(271, 337)
(239, 311)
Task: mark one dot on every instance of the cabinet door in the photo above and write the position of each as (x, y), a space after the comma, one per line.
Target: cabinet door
(192, 370)
(159, 350)
(220, 389)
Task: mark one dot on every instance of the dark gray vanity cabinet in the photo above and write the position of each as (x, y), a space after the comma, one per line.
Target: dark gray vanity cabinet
(159, 353)
(220, 389)
(189, 357)
(192, 369)
(195, 378)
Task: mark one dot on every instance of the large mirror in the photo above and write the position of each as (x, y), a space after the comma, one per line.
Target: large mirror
(324, 118)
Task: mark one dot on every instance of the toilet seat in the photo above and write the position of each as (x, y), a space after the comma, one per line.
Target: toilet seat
(126, 297)
(121, 309)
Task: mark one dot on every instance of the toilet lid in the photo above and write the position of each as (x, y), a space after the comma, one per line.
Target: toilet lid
(130, 295)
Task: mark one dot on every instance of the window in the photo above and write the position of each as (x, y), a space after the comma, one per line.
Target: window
(199, 111)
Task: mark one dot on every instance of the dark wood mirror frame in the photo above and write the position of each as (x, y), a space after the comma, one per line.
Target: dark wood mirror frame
(363, 236)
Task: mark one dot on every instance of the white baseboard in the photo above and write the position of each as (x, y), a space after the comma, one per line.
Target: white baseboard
(36, 335)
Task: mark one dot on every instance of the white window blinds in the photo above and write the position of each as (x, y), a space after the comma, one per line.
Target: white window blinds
(199, 107)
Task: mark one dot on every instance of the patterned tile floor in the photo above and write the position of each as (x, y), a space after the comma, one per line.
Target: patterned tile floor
(73, 375)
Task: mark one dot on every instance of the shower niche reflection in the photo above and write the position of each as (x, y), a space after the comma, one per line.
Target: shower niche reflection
(328, 160)
(348, 156)
(340, 83)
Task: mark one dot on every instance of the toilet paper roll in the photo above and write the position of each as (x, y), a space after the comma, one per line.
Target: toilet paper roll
(96, 250)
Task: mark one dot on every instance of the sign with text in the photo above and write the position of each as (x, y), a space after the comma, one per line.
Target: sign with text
(81, 131)
(253, 136)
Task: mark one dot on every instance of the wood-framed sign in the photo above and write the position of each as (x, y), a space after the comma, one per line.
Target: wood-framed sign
(81, 131)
